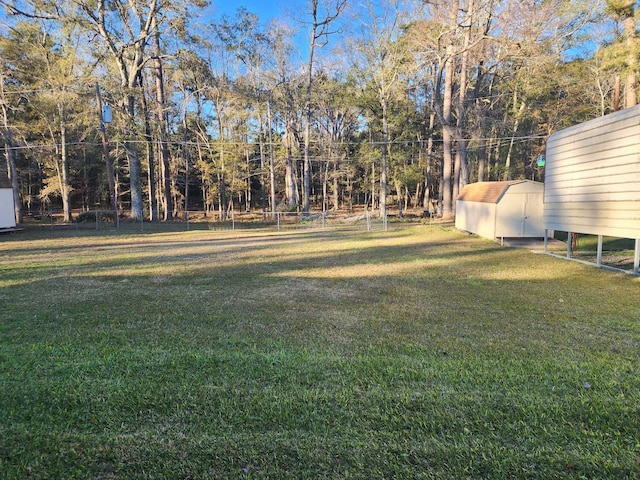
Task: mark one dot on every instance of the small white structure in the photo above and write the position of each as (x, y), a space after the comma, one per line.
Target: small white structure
(509, 209)
(7, 212)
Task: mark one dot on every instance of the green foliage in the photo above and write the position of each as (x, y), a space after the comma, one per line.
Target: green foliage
(621, 8)
(415, 353)
(520, 84)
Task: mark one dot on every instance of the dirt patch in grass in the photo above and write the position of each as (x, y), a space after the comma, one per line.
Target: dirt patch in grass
(619, 261)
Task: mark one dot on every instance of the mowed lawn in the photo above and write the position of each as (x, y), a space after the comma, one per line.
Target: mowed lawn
(415, 353)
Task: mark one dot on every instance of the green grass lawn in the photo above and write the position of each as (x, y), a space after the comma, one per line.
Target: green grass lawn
(415, 353)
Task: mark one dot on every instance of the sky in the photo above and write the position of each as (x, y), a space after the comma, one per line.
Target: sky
(265, 9)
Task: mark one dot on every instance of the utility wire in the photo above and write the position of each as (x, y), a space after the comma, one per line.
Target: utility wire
(476, 142)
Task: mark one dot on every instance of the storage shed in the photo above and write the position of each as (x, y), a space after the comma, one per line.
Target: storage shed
(502, 209)
(7, 213)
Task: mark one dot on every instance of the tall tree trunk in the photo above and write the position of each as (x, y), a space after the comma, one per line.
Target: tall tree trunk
(272, 168)
(222, 179)
(151, 177)
(290, 174)
(306, 191)
(62, 167)
(447, 152)
(482, 135)
(325, 187)
(223, 189)
(383, 159)
(133, 158)
(335, 189)
(130, 58)
(373, 186)
(457, 167)
(516, 124)
(187, 163)
(461, 170)
(162, 124)
(447, 130)
(482, 160)
(65, 187)
(495, 154)
(318, 31)
(264, 203)
(113, 194)
(12, 172)
(631, 83)
(427, 178)
(247, 196)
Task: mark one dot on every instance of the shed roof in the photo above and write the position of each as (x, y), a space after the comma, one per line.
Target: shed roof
(486, 192)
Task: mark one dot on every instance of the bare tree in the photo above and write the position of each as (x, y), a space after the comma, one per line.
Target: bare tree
(384, 65)
(323, 15)
(126, 28)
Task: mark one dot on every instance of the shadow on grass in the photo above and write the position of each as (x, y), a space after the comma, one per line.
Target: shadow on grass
(420, 353)
(257, 255)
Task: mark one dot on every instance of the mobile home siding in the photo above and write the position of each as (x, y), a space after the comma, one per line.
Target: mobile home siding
(592, 177)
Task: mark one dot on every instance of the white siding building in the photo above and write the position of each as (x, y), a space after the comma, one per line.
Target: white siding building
(510, 209)
(592, 178)
(7, 213)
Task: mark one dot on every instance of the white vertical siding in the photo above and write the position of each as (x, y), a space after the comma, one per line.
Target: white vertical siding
(592, 177)
(510, 215)
(534, 213)
(7, 215)
(520, 215)
(516, 211)
(477, 217)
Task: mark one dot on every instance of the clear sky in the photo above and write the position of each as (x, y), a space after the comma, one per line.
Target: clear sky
(287, 10)
(265, 9)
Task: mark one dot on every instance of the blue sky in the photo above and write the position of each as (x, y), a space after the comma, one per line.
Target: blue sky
(287, 10)
(265, 9)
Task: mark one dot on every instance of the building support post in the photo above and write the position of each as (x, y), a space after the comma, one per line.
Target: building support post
(599, 257)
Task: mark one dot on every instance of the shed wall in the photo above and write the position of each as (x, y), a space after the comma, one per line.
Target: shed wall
(592, 177)
(520, 211)
(7, 215)
(476, 217)
(520, 215)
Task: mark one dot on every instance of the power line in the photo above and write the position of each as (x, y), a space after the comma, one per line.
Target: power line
(486, 141)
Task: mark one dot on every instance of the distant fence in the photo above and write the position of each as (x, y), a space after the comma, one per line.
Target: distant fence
(102, 220)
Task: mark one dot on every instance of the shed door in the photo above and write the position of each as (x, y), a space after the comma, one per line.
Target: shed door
(520, 215)
(533, 209)
(509, 219)
(7, 215)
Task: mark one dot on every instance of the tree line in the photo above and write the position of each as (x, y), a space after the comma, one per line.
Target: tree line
(155, 107)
